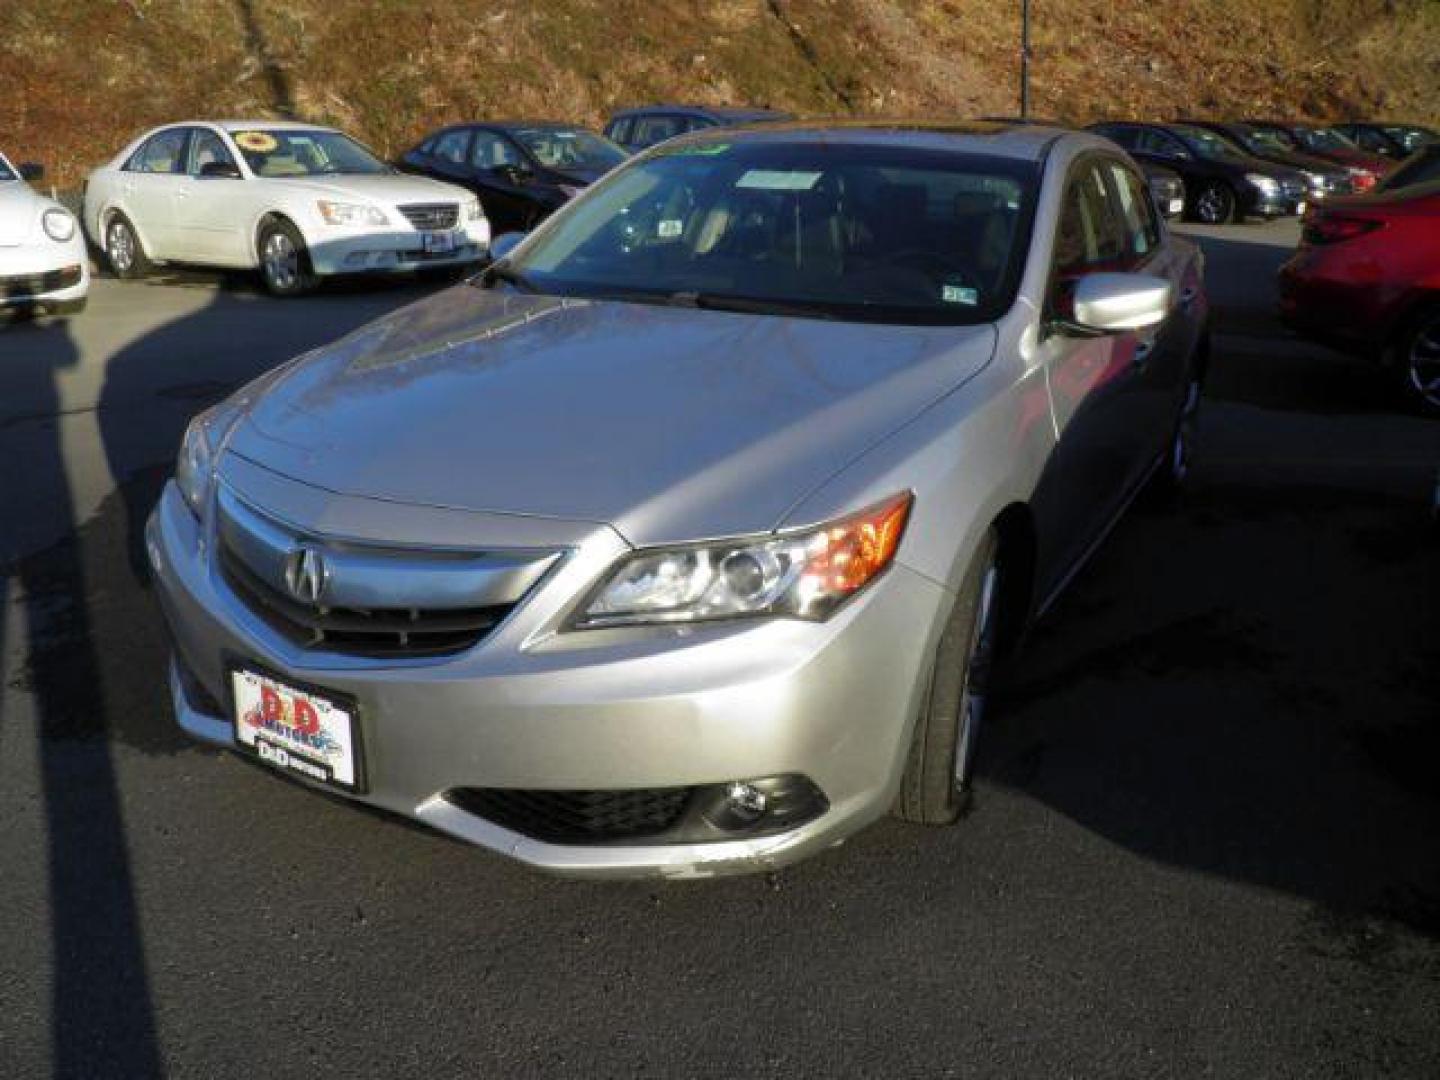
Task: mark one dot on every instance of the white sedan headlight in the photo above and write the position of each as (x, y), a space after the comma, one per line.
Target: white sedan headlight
(1267, 185)
(473, 210)
(351, 214)
(804, 575)
(59, 225)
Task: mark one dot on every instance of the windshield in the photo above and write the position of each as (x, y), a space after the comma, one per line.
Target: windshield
(1324, 139)
(570, 148)
(1419, 169)
(1206, 143)
(882, 234)
(273, 153)
(1261, 141)
(1411, 138)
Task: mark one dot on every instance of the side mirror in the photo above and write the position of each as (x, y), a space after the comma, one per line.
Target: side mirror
(505, 243)
(1113, 303)
(31, 173)
(514, 174)
(221, 170)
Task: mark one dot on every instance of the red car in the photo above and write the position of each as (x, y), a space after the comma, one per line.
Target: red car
(1366, 169)
(1367, 278)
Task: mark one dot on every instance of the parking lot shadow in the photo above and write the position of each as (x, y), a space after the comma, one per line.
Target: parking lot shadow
(1247, 687)
(102, 1012)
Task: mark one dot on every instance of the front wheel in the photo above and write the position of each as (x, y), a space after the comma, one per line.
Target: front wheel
(284, 260)
(1215, 205)
(1174, 470)
(1419, 355)
(936, 787)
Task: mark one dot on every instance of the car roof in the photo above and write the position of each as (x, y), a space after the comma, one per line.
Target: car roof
(1022, 142)
(719, 112)
(270, 125)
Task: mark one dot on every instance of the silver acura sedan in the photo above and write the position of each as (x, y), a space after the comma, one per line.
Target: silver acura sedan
(679, 541)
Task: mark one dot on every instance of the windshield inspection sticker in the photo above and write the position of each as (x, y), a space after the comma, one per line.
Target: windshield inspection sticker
(257, 142)
(670, 228)
(777, 180)
(959, 294)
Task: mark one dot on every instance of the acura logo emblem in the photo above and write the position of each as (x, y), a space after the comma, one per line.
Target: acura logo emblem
(306, 575)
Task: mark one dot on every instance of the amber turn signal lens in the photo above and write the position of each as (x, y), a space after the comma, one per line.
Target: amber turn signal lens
(849, 553)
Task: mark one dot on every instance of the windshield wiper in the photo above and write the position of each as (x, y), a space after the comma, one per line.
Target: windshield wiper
(503, 271)
(748, 305)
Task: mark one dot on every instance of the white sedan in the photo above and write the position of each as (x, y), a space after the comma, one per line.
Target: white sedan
(42, 254)
(294, 200)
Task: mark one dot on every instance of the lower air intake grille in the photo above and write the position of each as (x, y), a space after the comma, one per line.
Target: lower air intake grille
(577, 817)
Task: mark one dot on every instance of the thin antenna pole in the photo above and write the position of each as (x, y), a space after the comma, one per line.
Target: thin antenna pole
(1024, 59)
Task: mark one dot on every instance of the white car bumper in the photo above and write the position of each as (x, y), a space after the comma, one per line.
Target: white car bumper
(393, 251)
(53, 275)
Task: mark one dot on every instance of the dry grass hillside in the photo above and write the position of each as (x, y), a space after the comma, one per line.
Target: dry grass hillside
(82, 76)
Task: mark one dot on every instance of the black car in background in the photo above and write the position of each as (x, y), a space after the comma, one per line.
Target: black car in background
(1326, 177)
(1221, 183)
(642, 127)
(522, 171)
(1392, 140)
(1167, 188)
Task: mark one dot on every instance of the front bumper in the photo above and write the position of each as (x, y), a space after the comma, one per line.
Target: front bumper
(396, 251)
(56, 276)
(604, 710)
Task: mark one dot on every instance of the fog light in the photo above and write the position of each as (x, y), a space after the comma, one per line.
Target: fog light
(759, 807)
(745, 802)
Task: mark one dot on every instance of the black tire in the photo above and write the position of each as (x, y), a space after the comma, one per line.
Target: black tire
(1216, 204)
(124, 254)
(1417, 356)
(936, 788)
(285, 267)
(1169, 478)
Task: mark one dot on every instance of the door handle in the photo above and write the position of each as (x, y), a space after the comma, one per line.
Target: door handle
(1143, 349)
(1189, 296)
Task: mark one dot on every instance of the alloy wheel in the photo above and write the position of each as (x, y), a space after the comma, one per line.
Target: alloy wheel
(1423, 363)
(1212, 207)
(280, 262)
(977, 677)
(120, 247)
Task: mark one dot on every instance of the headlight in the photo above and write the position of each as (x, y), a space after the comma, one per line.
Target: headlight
(59, 225)
(569, 190)
(803, 575)
(195, 466)
(1315, 180)
(339, 213)
(1267, 185)
(473, 210)
(204, 437)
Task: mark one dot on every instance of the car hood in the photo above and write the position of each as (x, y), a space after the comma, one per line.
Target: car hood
(18, 207)
(389, 188)
(668, 424)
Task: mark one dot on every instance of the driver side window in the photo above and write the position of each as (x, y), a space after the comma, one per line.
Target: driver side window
(1089, 238)
(492, 150)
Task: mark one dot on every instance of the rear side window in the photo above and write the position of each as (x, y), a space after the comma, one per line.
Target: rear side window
(161, 153)
(1123, 136)
(1149, 141)
(1137, 214)
(619, 130)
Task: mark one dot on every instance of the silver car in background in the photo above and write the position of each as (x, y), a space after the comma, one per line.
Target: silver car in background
(680, 541)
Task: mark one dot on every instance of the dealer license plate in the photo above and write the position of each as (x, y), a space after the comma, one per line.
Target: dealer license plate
(439, 243)
(296, 731)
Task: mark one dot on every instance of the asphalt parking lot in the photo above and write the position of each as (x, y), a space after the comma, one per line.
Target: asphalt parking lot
(1206, 839)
